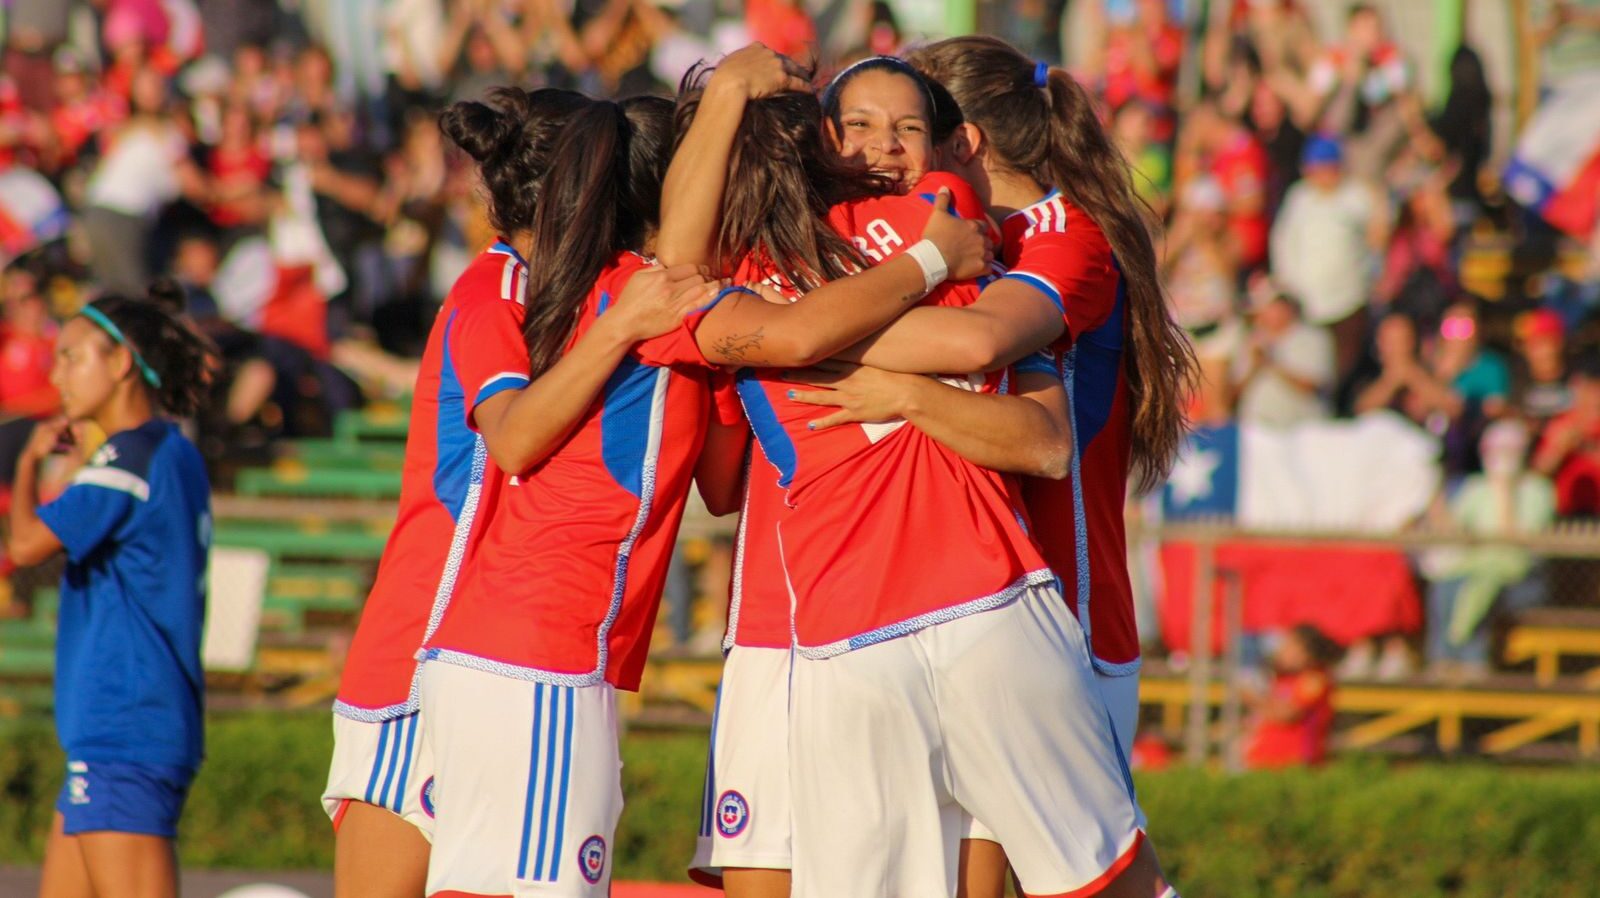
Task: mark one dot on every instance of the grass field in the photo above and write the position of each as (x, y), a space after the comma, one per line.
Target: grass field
(1352, 830)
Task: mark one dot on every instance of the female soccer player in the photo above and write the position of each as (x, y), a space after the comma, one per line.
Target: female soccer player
(380, 779)
(554, 611)
(135, 525)
(1084, 248)
(886, 111)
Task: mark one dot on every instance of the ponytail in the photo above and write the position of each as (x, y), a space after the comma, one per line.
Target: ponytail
(1163, 372)
(511, 138)
(649, 151)
(173, 361)
(577, 228)
(1040, 122)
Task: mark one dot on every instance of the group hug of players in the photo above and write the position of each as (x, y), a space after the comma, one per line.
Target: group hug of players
(910, 328)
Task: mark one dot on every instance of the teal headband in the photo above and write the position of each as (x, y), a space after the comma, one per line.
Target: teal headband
(106, 324)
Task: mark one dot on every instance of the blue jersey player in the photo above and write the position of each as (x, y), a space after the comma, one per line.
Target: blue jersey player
(134, 523)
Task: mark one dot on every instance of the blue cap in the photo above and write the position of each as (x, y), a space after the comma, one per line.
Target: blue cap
(1322, 149)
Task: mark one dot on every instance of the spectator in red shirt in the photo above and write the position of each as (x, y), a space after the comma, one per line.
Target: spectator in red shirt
(239, 167)
(82, 112)
(1211, 143)
(783, 25)
(27, 346)
(1141, 61)
(1293, 719)
(1569, 450)
(27, 351)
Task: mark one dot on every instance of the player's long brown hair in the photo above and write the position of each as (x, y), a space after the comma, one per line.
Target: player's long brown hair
(782, 179)
(1052, 134)
(588, 213)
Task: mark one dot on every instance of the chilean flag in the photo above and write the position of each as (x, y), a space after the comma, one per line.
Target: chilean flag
(1371, 475)
(1555, 170)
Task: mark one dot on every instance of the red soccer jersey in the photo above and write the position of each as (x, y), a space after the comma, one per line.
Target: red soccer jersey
(1078, 521)
(565, 585)
(758, 608)
(448, 486)
(887, 531)
(758, 602)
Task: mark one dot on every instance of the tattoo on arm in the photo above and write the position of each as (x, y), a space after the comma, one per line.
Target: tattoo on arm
(736, 348)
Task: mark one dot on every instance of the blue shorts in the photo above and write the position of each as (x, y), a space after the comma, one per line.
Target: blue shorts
(105, 796)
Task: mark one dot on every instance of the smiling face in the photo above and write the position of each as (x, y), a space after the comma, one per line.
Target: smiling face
(884, 122)
(86, 368)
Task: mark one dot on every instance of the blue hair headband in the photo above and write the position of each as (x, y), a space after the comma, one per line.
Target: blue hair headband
(893, 63)
(1041, 74)
(106, 324)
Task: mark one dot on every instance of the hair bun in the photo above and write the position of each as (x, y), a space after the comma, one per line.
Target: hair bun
(167, 294)
(479, 129)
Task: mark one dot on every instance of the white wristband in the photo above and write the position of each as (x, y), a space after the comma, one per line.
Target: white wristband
(928, 257)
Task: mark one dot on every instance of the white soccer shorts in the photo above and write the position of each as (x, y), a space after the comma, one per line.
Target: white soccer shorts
(528, 785)
(1121, 694)
(996, 715)
(744, 815)
(383, 763)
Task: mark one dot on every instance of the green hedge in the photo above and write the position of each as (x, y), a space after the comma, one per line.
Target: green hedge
(1353, 830)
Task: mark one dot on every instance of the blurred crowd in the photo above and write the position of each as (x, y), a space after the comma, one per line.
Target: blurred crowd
(280, 160)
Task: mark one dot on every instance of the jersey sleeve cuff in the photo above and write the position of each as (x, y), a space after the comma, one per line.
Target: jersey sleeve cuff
(1043, 286)
(499, 383)
(1036, 363)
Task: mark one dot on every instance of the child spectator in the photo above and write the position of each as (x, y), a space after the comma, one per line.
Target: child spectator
(1505, 500)
(1569, 449)
(135, 526)
(1291, 722)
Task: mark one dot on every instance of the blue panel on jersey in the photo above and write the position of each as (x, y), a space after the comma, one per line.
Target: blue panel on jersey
(605, 303)
(775, 442)
(933, 197)
(1097, 366)
(625, 422)
(452, 471)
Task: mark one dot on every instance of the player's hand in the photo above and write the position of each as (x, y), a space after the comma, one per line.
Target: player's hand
(966, 252)
(862, 395)
(656, 300)
(758, 72)
(46, 436)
